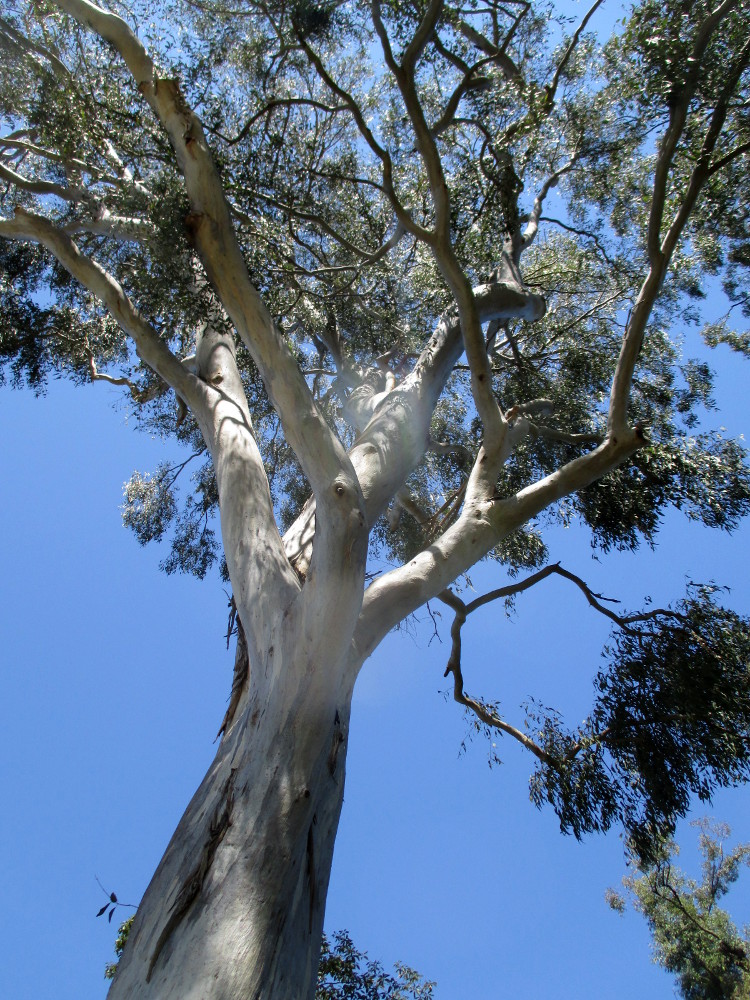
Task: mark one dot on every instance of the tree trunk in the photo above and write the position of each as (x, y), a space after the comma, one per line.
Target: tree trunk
(236, 906)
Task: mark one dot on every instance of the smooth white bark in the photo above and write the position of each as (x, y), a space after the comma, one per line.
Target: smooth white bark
(271, 801)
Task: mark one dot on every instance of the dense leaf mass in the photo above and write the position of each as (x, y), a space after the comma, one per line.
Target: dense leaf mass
(671, 719)
(694, 936)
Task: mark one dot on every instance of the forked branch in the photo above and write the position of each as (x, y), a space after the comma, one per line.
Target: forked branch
(320, 453)
(487, 714)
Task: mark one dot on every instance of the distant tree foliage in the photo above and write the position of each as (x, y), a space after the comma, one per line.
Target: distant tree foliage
(670, 721)
(348, 974)
(694, 938)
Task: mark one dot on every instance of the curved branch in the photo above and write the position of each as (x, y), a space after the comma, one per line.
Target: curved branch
(498, 55)
(486, 713)
(552, 90)
(480, 710)
(402, 213)
(277, 102)
(480, 527)
(40, 187)
(532, 227)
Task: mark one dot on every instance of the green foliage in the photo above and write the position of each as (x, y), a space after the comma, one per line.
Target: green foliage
(694, 938)
(347, 973)
(671, 719)
(122, 936)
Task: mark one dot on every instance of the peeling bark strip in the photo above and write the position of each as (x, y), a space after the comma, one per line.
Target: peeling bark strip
(239, 679)
(336, 743)
(220, 823)
(311, 869)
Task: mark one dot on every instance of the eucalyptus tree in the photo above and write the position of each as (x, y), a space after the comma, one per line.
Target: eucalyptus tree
(408, 279)
(694, 938)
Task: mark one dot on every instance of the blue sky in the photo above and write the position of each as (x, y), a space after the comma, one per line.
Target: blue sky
(115, 679)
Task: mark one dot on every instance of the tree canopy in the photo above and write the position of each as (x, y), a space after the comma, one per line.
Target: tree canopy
(694, 937)
(409, 282)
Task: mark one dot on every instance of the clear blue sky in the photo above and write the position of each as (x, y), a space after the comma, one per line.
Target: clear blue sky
(115, 679)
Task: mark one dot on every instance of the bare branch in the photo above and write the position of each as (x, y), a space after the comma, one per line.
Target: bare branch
(416, 46)
(552, 89)
(729, 157)
(499, 56)
(278, 102)
(532, 227)
(97, 376)
(480, 710)
(480, 527)
(485, 713)
(72, 194)
(470, 81)
(580, 232)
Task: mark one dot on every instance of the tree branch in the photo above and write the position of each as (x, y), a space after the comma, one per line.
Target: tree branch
(24, 44)
(75, 195)
(480, 527)
(441, 243)
(416, 46)
(321, 455)
(271, 105)
(480, 710)
(532, 226)
(677, 118)
(393, 443)
(498, 55)
(660, 252)
(552, 89)
(402, 213)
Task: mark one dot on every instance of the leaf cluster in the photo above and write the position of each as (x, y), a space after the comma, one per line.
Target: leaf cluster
(671, 719)
(345, 973)
(694, 937)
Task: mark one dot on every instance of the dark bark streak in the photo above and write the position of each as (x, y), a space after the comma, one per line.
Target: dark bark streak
(239, 679)
(338, 739)
(192, 885)
(311, 871)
